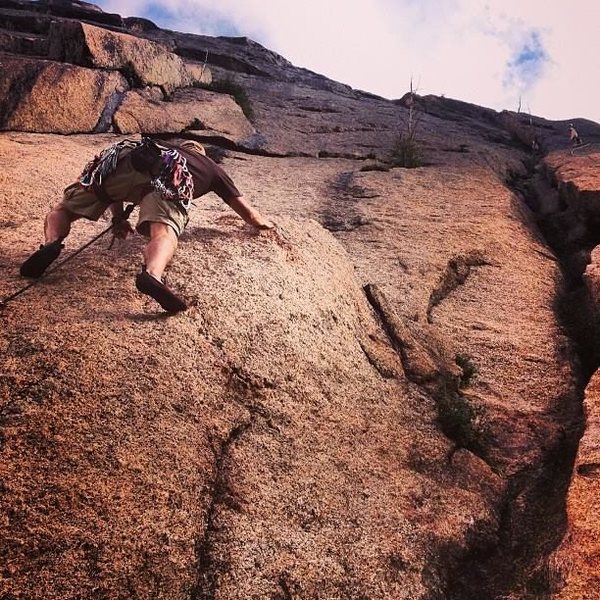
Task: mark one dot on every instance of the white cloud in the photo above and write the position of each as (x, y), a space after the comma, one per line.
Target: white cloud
(460, 48)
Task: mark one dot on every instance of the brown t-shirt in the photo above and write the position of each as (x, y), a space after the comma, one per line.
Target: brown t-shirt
(208, 176)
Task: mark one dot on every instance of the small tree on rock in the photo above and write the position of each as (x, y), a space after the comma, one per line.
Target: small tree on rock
(407, 151)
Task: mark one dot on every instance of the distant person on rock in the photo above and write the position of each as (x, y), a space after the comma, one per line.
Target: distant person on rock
(163, 178)
(574, 136)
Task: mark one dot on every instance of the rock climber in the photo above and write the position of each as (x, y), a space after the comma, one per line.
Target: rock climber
(574, 136)
(162, 178)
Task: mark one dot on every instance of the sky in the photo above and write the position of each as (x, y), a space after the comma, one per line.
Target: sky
(540, 55)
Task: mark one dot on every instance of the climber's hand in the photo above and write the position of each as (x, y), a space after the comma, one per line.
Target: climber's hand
(122, 229)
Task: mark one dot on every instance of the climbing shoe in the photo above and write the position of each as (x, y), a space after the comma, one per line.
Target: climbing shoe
(41, 259)
(156, 289)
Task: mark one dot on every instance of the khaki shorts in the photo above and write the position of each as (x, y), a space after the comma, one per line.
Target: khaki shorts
(154, 209)
(80, 201)
(127, 185)
(124, 185)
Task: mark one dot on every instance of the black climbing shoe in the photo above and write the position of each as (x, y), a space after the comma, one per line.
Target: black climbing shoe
(154, 288)
(41, 259)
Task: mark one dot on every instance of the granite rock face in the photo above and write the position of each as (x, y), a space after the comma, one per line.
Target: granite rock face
(297, 445)
(40, 95)
(145, 62)
(377, 400)
(197, 109)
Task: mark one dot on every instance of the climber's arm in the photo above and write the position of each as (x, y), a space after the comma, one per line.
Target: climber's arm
(241, 206)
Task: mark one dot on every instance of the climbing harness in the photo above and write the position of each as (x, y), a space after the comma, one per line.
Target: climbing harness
(174, 181)
(120, 219)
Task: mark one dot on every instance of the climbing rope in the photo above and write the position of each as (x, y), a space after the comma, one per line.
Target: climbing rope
(120, 219)
(589, 147)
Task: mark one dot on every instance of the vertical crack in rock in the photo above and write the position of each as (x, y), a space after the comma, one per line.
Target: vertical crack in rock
(455, 274)
(208, 566)
(533, 519)
(105, 121)
(571, 234)
(532, 522)
(245, 388)
(569, 223)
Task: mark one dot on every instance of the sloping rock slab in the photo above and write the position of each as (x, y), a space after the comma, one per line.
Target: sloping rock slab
(145, 62)
(188, 109)
(243, 55)
(247, 448)
(231, 451)
(45, 96)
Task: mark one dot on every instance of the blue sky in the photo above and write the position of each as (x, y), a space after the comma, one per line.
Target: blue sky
(543, 54)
